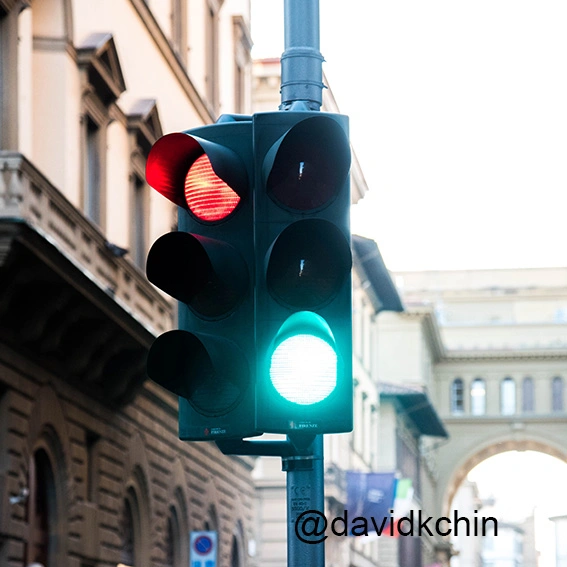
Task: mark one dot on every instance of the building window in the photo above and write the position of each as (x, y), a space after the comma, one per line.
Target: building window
(172, 541)
(457, 396)
(478, 397)
(93, 450)
(128, 553)
(211, 523)
(100, 68)
(41, 510)
(528, 395)
(92, 181)
(134, 523)
(179, 28)
(242, 62)
(211, 54)
(234, 553)
(140, 215)
(408, 459)
(507, 396)
(557, 394)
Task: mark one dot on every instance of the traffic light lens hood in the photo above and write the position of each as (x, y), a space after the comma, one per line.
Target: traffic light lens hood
(209, 276)
(308, 263)
(182, 363)
(171, 162)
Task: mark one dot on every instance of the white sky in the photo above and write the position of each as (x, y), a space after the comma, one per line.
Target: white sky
(459, 119)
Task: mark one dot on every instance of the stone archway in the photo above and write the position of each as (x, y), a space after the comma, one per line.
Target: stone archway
(467, 462)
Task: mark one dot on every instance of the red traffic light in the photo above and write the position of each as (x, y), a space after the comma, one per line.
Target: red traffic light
(201, 176)
(208, 197)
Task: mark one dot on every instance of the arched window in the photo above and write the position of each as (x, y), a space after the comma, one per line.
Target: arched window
(528, 395)
(128, 553)
(234, 553)
(507, 396)
(557, 394)
(134, 526)
(457, 396)
(176, 543)
(478, 397)
(211, 522)
(41, 510)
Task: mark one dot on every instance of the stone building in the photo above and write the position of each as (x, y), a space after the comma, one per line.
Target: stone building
(91, 469)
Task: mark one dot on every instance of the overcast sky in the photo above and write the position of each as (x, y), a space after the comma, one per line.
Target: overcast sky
(459, 119)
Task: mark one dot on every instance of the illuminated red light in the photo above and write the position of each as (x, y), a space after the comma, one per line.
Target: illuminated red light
(208, 197)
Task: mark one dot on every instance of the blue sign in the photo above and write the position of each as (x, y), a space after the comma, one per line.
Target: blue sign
(203, 548)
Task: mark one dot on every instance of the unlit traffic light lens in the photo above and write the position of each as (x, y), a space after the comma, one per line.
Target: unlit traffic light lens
(208, 197)
(310, 165)
(308, 264)
(212, 378)
(208, 275)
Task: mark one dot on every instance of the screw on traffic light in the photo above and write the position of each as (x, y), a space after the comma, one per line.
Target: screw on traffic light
(303, 273)
(207, 265)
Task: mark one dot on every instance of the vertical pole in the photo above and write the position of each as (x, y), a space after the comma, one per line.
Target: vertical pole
(302, 89)
(305, 491)
(301, 62)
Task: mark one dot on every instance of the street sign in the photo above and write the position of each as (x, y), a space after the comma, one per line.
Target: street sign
(203, 549)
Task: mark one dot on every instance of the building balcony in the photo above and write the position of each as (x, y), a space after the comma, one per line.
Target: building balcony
(67, 301)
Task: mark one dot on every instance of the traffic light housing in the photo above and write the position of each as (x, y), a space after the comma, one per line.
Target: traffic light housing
(303, 273)
(208, 266)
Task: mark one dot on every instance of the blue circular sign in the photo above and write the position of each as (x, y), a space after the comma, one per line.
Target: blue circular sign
(203, 545)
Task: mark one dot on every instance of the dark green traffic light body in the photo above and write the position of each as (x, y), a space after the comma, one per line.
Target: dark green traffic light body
(261, 268)
(208, 266)
(303, 273)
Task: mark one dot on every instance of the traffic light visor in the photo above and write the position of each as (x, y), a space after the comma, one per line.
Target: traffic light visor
(306, 168)
(303, 363)
(183, 364)
(204, 177)
(208, 275)
(308, 263)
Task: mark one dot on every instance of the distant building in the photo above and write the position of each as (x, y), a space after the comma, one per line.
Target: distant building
(560, 540)
(468, 548)
(504, 548)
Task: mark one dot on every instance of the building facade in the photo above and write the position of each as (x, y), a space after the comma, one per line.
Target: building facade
(91, 469)
(493, 344)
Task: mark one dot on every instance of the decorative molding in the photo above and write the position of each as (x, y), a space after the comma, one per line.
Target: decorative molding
(98, 56)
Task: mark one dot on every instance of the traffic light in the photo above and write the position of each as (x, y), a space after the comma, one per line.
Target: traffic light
(303, 273)
(208, 266)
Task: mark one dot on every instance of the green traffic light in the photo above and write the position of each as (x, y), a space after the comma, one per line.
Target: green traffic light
(303, 362)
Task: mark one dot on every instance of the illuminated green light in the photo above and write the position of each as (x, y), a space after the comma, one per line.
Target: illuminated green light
(303, 366)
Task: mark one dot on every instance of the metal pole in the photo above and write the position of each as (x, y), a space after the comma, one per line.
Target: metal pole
(301, 62)
(305, 492)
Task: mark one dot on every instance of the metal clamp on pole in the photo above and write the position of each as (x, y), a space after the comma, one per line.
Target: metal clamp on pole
(301, 62)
